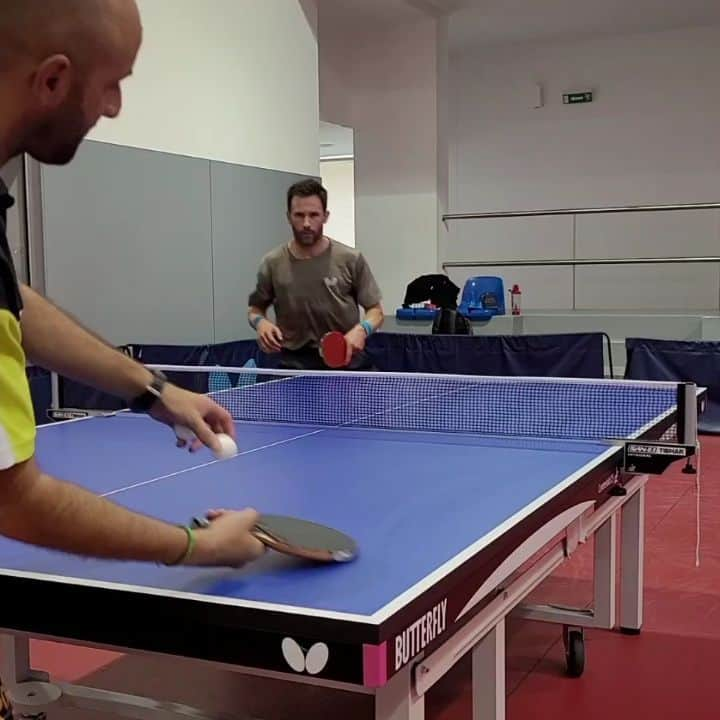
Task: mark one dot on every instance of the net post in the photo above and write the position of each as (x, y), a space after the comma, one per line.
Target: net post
(54, 390)
(687, 414)
(688, 421)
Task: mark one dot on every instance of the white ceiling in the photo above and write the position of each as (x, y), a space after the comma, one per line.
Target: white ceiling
(439, 8)
(365, 15)
(498, 22)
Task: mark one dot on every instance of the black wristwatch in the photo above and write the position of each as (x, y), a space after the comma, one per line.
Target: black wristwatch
(144, 401)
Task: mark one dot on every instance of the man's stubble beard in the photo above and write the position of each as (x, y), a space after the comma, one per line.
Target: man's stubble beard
(307, 242)
(55, 140)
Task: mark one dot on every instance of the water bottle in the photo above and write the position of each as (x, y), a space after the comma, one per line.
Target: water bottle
(515, 299)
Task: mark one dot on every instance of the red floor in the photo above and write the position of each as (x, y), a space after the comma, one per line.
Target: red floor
(669, 671)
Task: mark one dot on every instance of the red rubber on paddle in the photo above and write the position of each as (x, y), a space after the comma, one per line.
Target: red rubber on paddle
(333, 349)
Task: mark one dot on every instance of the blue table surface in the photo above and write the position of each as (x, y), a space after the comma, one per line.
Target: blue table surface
(411, 500)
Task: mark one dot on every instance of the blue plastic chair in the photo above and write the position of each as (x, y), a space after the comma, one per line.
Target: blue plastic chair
(483, 297)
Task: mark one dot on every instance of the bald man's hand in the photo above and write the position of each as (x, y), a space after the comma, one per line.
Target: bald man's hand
(198, 412)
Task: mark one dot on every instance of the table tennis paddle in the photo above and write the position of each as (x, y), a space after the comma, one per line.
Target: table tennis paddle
(334, 349)
(300, 538)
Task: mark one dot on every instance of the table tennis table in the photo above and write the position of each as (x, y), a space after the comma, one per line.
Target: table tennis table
(463, 493)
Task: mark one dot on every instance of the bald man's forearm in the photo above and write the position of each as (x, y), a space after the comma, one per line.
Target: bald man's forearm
(42, 510)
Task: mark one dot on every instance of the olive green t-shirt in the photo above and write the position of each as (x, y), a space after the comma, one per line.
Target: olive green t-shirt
(315, 295)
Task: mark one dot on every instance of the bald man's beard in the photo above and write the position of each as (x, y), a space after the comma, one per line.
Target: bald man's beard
(55, 139)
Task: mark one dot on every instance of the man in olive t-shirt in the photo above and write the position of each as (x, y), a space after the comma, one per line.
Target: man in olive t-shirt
(316, 285)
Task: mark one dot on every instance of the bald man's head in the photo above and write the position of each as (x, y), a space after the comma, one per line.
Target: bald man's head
(61, 65)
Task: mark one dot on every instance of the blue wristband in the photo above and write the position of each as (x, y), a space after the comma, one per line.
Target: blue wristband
(367, 326)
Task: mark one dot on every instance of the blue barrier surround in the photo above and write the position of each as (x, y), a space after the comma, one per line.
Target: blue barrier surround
(695, 361)
(560, 355)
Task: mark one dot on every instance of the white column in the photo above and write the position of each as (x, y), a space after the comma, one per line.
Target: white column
(385, 84)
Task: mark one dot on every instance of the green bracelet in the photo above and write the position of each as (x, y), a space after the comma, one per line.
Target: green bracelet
(189, 549)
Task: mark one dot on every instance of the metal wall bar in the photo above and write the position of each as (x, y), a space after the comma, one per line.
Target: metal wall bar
(584, 261)
(580, 211)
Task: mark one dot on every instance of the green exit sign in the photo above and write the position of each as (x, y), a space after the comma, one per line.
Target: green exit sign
(577, 97)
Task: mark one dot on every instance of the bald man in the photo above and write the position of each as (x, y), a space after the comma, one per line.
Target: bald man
(62, 63)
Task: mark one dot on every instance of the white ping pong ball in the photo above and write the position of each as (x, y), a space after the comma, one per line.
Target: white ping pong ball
(228, 448)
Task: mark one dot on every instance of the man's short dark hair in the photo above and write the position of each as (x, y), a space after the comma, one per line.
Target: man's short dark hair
(307, 188)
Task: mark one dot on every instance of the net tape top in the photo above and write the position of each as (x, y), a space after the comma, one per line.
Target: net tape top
(583, 410)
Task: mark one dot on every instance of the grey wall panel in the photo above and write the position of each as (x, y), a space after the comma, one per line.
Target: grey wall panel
(648, 234)
(127, 246)
(677, 288)
(248, 218)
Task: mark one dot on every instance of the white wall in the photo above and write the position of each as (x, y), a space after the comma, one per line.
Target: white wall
(384, 85)
(338, 178)
(650, 137)
(229, 80)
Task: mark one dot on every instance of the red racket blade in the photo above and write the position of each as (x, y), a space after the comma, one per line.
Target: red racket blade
(333, 349)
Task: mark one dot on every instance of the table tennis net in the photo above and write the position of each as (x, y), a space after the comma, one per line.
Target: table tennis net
(528, 407)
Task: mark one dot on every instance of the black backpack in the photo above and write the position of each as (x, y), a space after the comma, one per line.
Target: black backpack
(437, 288)
(451, 322)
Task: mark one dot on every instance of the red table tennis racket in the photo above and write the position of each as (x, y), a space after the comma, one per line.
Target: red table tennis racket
(300, 538)
(334, 350)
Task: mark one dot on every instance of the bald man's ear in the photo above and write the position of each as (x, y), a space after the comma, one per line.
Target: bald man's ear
(53, 80)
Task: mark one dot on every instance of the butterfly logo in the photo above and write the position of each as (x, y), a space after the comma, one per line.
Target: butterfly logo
(313, 661)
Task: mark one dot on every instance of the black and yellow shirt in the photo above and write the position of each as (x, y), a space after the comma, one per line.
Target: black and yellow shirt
(17, 421)
(6, 708)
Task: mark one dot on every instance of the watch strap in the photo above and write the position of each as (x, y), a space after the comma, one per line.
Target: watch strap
(146, 399)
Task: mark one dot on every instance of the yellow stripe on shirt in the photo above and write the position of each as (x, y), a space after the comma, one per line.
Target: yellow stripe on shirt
(17, 419)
